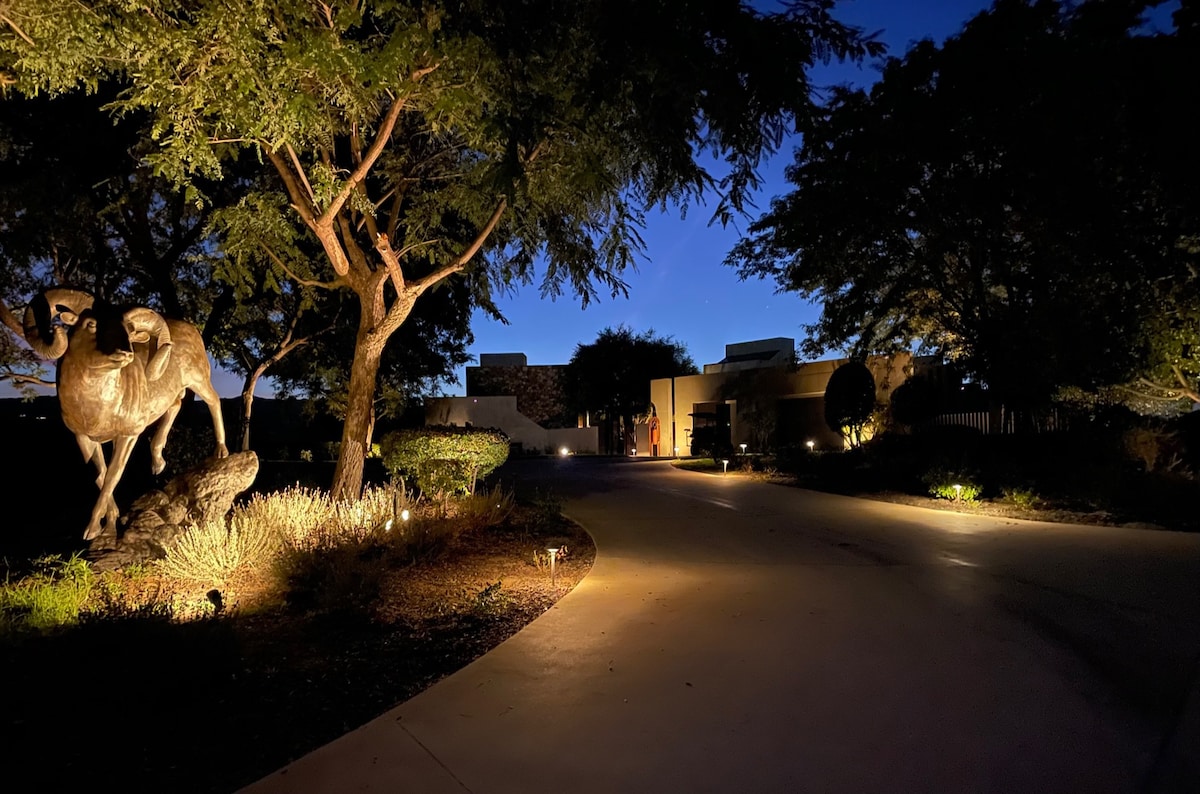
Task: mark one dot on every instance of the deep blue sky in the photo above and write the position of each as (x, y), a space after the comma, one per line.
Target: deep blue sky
(682, 289)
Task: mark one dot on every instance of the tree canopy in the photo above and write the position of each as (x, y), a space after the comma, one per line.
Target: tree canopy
(412, 142)
(1020, 200)
(611, 376)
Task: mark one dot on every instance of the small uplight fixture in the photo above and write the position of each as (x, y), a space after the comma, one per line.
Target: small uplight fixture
(810, 444)
(725, 465)
(743, 446)
(957, 492)
(553, 551)
(564, 451)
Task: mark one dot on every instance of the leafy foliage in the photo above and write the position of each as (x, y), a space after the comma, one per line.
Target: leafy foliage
(444, 459)
(51, 596)
(411, 143)
(1026, 229)
(850, 400)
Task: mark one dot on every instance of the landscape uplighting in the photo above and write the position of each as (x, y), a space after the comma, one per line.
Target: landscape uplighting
(553, 556)
(405, 515)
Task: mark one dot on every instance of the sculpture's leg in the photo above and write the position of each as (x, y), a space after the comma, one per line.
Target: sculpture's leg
(93, 452)
(104, 514)
(206, 392)
(157, 464)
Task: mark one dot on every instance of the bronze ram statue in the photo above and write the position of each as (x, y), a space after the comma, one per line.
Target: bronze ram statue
(120, 371)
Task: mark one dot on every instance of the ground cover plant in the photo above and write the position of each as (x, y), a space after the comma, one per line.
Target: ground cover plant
(258, 639)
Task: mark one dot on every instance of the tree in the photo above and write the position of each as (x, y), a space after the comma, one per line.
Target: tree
(611, 376)
(95, 217)
(757, 393)
(850, 401)
(417, 142)
(1020, 221)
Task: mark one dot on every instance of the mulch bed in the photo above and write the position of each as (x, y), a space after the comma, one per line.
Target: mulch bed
(145, 704)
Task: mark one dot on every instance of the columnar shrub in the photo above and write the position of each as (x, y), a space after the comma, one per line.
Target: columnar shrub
(444, 460)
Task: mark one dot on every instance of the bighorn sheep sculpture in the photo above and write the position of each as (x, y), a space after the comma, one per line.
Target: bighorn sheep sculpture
(120, 371)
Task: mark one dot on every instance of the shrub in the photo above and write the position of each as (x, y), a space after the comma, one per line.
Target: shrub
(1022, 497)
(51, 596)
(955, 486)
(485, 509)
(850, 400)
(215, 553)
(444, 460)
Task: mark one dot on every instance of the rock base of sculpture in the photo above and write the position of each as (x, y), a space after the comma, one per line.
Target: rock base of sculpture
(157, 518)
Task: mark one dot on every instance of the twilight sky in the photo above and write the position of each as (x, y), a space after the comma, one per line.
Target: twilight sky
(681, 289)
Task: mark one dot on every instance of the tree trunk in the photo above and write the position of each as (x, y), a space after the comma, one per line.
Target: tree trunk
(247, 404)
(356, 431)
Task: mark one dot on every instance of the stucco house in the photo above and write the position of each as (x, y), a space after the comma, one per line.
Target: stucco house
(756, 395)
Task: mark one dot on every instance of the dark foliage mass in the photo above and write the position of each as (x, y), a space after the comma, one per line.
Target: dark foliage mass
(1020, 200)
(850, 400)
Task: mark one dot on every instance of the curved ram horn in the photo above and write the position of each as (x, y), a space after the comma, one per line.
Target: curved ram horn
(46, 307)
(143, 324)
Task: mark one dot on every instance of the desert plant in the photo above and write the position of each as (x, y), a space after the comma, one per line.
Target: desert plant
(51, 596)
(485, 509)
(294, 513)
(215, 552)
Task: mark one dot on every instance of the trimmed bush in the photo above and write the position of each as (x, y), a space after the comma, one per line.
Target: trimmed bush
(444, 460)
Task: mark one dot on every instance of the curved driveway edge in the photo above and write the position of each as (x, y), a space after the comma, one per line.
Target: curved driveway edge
(735, 636)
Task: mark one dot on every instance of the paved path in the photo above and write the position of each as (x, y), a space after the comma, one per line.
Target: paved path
(736, 636)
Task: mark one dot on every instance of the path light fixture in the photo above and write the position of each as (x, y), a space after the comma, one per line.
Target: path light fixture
(725, 464)
(743, 446)
(810, 444)
(957, 492)
(564, 451)
(676, 451)
(553, 550)
(634, 452)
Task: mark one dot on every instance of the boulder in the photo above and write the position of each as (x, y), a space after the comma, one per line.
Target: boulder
(158, 517)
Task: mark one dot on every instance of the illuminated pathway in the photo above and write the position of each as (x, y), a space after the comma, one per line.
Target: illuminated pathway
(735, 636)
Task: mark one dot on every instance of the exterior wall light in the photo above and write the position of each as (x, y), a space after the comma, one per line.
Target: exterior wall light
(553, 557)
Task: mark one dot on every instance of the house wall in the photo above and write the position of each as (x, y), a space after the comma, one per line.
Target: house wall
(675, 398)
(501, 412)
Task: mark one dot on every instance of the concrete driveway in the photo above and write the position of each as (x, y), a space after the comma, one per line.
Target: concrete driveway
(736, 636)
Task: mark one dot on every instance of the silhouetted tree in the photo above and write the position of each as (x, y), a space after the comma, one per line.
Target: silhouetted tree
(850, 400)
(610, 377)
